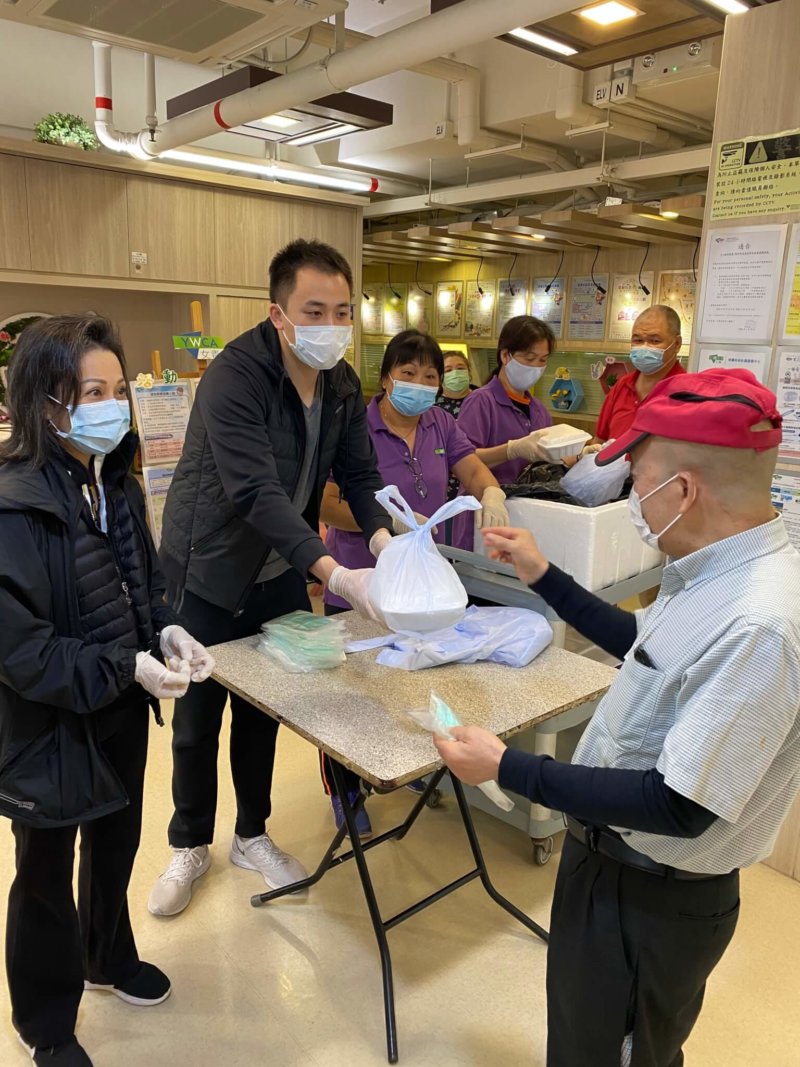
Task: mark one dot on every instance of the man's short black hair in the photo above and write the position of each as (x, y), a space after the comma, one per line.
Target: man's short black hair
(285, 265)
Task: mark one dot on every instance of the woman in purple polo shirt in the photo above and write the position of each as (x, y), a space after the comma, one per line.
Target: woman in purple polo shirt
(502, 417)
(418, 445)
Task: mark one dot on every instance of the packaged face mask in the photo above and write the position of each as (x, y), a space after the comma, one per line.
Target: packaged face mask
(301, 642)
(440, 719)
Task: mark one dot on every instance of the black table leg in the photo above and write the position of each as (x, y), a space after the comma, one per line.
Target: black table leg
(374, 913)
(480, 863)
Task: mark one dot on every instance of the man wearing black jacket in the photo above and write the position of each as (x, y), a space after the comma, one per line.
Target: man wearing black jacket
(274, 414)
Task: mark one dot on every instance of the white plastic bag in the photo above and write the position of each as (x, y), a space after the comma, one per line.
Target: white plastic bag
(414, 589)
(439, 718)
(511, 636)
(594, 485)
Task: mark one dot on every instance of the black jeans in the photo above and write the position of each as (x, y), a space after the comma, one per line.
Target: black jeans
(630, 952)
(351, 779)
(197, 721)
(51, 945)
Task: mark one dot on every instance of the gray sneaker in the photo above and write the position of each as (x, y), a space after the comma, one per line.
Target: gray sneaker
(173, 889)
(261, 854)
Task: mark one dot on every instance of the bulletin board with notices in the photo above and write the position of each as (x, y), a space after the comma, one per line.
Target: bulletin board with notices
(757, 176)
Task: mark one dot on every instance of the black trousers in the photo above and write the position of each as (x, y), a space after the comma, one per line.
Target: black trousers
(351, 779)
(197, 721)
(51, 945)
(630, 953)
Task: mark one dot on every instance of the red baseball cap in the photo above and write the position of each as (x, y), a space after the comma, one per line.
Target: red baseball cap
(714, 407)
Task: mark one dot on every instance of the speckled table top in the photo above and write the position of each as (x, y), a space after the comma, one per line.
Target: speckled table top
(357, 712)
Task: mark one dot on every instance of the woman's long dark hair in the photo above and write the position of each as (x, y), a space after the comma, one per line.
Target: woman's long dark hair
(519, 334)
(412, 346)
(47, 360)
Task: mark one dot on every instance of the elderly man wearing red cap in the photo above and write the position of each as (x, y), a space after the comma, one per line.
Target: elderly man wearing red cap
(692, 759)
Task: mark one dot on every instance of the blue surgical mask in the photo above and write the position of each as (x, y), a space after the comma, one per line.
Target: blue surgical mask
(96, 429)
(647, 359)
(319, 347)
(411, 399)
(521, 377)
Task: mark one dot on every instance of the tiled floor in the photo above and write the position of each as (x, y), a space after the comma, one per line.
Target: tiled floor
(297, 983)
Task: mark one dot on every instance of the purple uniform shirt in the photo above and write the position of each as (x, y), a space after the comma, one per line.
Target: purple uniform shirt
(489, 417)
(439, 444)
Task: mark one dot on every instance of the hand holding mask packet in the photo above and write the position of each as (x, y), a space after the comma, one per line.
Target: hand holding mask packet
(439, 719)
(414, 589)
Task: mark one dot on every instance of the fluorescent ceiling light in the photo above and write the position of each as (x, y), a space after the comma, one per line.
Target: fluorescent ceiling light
(669, 215)
(538, 236)
(538, 39)
(270, 170)
(730, 7)
(280, 122)
(328, 134)
(609, 13)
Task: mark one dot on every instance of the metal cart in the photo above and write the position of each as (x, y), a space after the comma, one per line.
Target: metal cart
(496, 582)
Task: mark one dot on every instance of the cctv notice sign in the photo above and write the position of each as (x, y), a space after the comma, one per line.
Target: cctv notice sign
(757, 176)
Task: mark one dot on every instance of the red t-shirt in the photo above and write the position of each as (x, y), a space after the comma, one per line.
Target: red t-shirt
(619, 407)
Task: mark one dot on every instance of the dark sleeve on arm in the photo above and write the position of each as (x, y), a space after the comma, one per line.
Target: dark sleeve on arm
(610, 627)
(604, 796)
(160, 611)
(355, 471)
(235, 422)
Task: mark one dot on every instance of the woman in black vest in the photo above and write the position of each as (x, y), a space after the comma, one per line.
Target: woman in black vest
(83, 638)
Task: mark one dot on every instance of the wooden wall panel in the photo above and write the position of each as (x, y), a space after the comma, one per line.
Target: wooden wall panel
(232, 315)
(15, 245)
(78, 219)
(251, 229)
(174, 224)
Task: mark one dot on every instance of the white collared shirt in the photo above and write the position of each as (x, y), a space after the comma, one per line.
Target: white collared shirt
(718, 712)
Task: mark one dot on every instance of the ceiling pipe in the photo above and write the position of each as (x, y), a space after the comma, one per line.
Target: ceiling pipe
(151, 118)
(107, 133)
(573, 111)
(424, 39)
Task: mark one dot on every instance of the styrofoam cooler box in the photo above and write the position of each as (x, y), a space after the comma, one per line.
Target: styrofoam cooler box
(597, 546)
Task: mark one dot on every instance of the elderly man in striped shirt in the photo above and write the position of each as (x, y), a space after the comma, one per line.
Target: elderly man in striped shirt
(692, 759)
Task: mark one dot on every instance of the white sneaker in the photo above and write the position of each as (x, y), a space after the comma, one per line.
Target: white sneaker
(173, 889)
(261, 854)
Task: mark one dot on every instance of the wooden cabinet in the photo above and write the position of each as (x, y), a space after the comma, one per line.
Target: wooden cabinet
(78, 219)
(232, 315)
(173, 223)
(250, 229)
(15, 245)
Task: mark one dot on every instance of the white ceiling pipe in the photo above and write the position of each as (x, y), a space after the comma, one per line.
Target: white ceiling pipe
(107, 133)
(151, 118)
(455, 27)
(572, 110)
(468, 102)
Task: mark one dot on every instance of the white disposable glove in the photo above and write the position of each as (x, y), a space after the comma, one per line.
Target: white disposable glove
(177, 642)
(353, 586)
(528, 447)
(379, 540)
(400, 527)
(591, 449)
(493, 509)
(160, 681)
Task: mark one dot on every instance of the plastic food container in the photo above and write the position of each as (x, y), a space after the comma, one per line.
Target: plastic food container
(561, 442)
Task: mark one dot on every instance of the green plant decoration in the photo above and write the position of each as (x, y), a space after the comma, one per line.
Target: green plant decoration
(69, 130)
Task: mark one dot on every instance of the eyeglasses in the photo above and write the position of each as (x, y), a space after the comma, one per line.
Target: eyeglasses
(416, 473)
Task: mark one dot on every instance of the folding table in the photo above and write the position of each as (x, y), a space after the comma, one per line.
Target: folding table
(357, 715)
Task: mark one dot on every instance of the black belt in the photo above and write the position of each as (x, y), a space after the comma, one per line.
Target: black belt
(607, 844)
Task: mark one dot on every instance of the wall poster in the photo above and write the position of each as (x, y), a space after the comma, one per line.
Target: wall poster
(587, 308)
(157, 481)
(757, 176)
(741, 278)
(372, 303)
(787, 390)
(512, 300)
(162, 414)
(628, 301)
(395, 309)
(678, 290)
(420, 309)
(449, 308)
(790, 306)
(479, 316)
(742, 357)
(549, 299)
